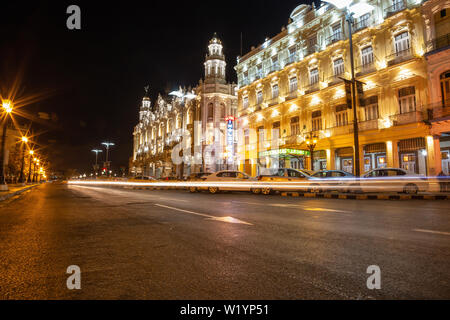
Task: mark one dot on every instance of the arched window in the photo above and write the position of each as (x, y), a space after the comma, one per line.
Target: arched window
(210, 112)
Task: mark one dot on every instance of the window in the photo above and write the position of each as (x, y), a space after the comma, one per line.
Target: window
(371, 108)
(407, 99)
(313, 76)
(276, 125)
(245, 103)
(293, 85)
(367, 56)
(443, 13)
(363, 21)
(295, 126)
(401, 43)
(261, 136)
(246, 137)
(312, 44)
(259, 97)
(338, 67)
(336, 33)
(259, 71)
(275, 91)
(210, 112)
(316, 120)
(274, 63)
(341, 115)
(292, 53)
(295, 174)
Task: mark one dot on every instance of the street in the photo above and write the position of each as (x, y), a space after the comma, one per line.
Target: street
(142, 244)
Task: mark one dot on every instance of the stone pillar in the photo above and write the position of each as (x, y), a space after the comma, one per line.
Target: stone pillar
(331, 158)
(361, 159)
(434, 161)
(392, 154)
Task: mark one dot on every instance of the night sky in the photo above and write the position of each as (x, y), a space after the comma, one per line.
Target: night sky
(93, 78)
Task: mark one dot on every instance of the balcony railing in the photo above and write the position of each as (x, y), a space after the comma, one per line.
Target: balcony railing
(311, 49)
(399, 56)
(362, 24)
(335, 79)
(291, 95)
(335, 37)
(312, 87)
(406, 118)
(291, 59)
(274, 67)
(368, 125)
(291, 140)
(365, 68)
(439, 110)
(272, 101)
(258, 75)
(340, 130)
(440, 43)
(396, 7)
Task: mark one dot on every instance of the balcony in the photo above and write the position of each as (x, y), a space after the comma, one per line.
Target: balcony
(244, 82)
(396, 7)
(335, 37)
(291, 95)
(439, 111)
(368, 125)
(311, 49)
(291, 59)
(407, 118)
(272, 101)
(312, 88)
(341, 130)
(439, 43)
(259, 75)
(291, 140)
(274, 67)
(335, 79)
(400, 56)
(362, 24)
(363, 69)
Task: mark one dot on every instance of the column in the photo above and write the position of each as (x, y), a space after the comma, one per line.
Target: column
(331, 157)
(434, 161)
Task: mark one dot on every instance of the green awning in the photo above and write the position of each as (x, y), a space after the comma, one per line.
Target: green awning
(283, 152)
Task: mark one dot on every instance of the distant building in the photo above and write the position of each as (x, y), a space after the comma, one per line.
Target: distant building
(291, 88)
(201, 112)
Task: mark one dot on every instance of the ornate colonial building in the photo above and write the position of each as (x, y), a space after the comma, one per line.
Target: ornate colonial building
(188, 126)
(291, 88)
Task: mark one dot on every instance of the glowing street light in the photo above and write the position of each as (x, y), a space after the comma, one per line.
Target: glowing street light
(353, 11)
(311, 142)
(107, 145)
(24, 144)
(7, 107)
(31, 153)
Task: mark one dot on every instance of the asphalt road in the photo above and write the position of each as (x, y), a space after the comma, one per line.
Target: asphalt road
(139, 244)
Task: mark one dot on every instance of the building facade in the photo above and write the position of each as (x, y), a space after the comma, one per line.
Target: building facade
(292, 88)
(188, 126)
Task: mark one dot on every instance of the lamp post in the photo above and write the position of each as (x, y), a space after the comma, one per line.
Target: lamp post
(107, 145)
(36, 163)
(24, 144)
(311, 142)
(351, 12)
(96, 160)
(7, 106)
(31, 152)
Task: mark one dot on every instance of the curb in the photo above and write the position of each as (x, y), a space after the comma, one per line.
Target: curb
(365, 196)
(10, 195)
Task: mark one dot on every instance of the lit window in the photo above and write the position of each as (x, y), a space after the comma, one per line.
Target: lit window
(313, 76)
(338, 65)
(407, 99)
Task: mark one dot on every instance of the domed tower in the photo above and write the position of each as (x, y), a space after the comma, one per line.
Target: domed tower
(215, 62)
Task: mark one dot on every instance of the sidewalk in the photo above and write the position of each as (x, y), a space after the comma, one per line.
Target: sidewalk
(15, 189)
(372, 196)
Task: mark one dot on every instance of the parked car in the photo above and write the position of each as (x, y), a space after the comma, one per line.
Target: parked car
(392, 179)
(281, 175)
(331, 180)
(200, 176)
(225, 176)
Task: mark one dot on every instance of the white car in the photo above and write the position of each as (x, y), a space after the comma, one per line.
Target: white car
(228, 177)
(392, 180)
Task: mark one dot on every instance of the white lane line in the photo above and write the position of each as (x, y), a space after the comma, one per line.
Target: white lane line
(432, 231)
(207, 216)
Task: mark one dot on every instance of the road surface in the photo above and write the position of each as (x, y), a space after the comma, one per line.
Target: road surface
(142, 244)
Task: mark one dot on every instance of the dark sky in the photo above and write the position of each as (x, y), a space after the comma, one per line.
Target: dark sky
(97, 74)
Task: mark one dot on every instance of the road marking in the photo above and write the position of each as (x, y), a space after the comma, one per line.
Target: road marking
(326, 210)
(207, 216)
(431, 231)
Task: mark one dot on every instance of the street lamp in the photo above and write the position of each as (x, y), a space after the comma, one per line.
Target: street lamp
(96, 159)
(311, 142)
(7, 107)
(36, 162)
(107, 144)
(31, 152)
(24, 143)
(353, 11)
